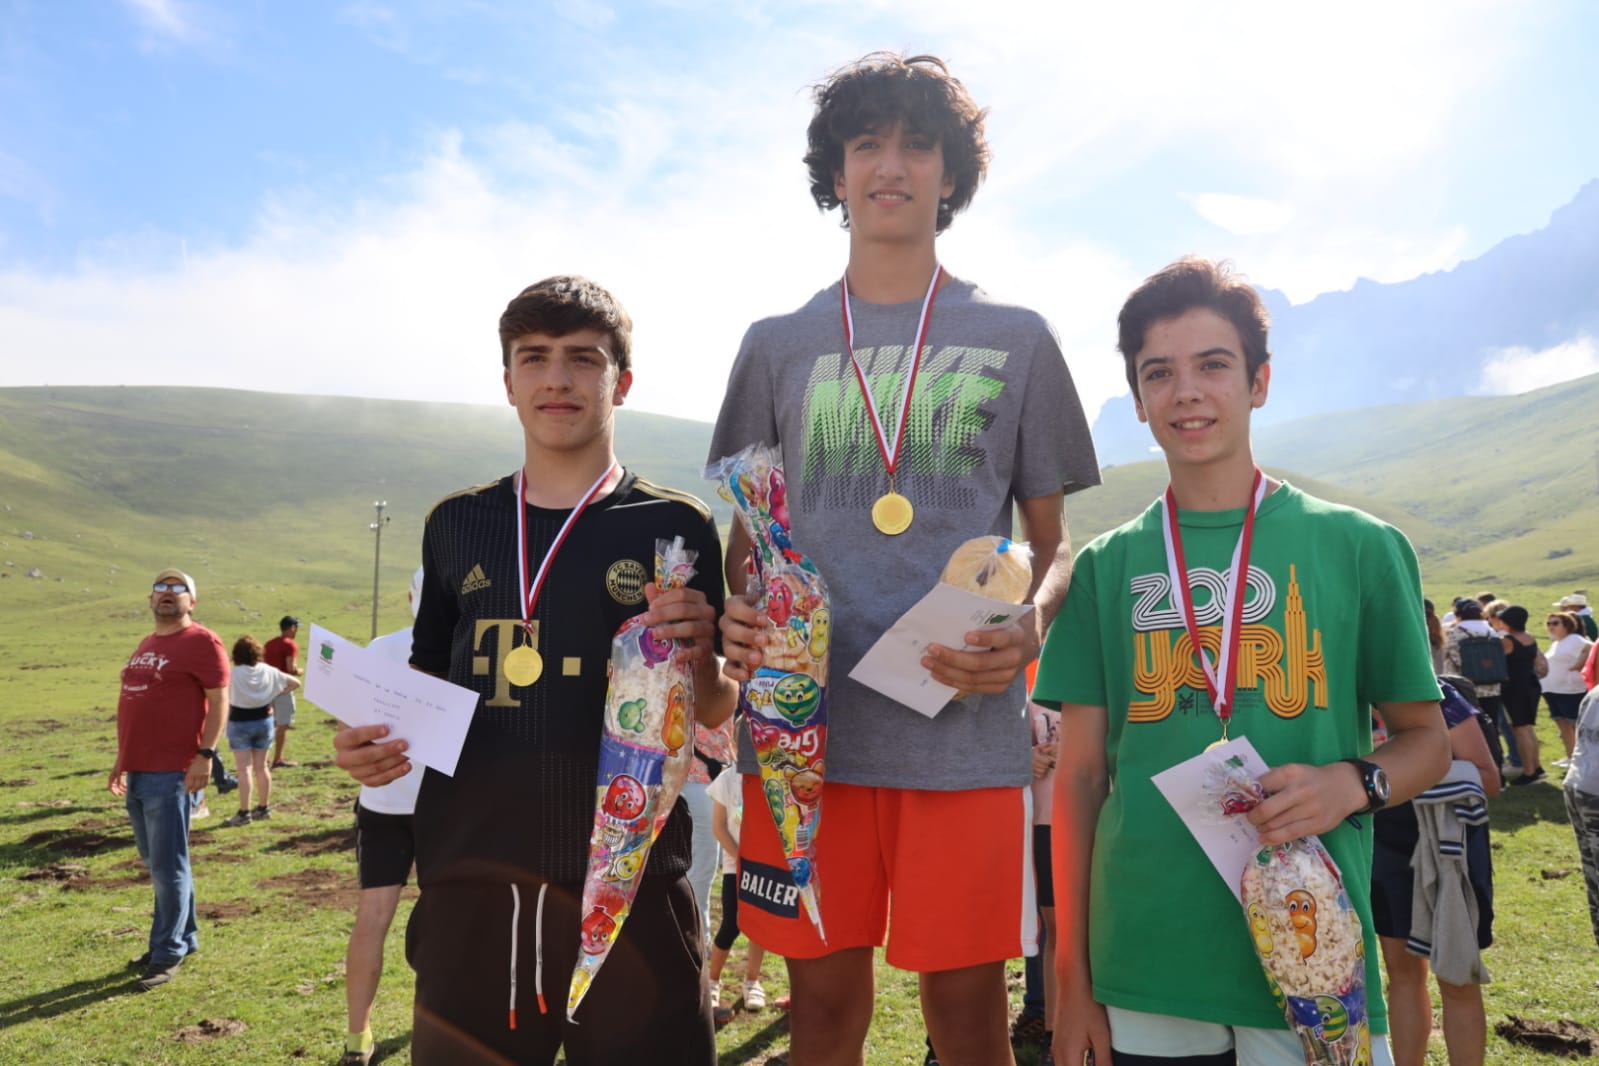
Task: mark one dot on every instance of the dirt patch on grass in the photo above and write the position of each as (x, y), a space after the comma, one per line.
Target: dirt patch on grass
(73, 842)
(63, 873)
(209, 1029)
(225, 909)
(46, 803)
(36, 728)
(97, 884)
(1558, 1037)
(227, 858)
(316, 888)
(320, 842)
(21, 782)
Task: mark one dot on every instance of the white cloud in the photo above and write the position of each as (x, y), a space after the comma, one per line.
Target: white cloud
(1246, 216)
(685, 195)
(1512, 371)
(163, 18)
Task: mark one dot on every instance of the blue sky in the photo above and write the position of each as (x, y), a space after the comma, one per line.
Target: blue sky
(340, 198)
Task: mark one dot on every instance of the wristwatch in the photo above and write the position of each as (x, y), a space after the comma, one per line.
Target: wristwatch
(1374, 779)
(209, 753)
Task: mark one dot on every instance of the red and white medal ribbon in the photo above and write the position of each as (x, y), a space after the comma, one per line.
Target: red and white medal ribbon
(530, 593)
(1221, 679)
(890, 454)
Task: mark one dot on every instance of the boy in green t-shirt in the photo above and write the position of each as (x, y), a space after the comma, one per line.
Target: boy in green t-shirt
(1154, 959)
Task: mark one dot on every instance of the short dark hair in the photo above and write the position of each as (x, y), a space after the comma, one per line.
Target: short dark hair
(1192, 282)
(880, 89)
(1468, 609)
(246, 651)
(1514, 616)
(566, 303)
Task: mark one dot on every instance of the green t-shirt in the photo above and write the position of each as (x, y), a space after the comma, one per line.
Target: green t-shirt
(1332, 623)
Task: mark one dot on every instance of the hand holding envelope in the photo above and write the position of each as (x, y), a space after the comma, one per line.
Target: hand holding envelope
(361, 688)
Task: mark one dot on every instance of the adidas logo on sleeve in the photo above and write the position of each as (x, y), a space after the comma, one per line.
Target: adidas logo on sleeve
(475, 581)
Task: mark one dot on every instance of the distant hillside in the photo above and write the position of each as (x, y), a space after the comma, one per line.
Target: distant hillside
(1499, 492)
(1422, 339)
(268, 498)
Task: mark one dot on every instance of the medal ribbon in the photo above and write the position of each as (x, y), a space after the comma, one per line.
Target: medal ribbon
(1221, 679)
(890, 455)
(530, 594)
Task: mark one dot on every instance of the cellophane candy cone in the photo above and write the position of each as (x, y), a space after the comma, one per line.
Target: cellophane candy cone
(644, 759)
(785, 702)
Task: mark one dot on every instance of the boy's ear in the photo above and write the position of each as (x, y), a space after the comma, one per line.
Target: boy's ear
(510, 397)
(624, 382)
(1260, 386)
(839, 192)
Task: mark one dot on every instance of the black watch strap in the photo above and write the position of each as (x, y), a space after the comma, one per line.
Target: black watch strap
(1374, 779)
(209, 753)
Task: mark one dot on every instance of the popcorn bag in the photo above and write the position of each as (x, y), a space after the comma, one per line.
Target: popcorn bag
(1305, 932)
(996, 567)
(785, 702)
(644, 759)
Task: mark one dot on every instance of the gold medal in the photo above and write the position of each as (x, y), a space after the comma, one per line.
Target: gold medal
(523, 666)
(892, 514)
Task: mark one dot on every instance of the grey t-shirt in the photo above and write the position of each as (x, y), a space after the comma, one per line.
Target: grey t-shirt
(994, 419)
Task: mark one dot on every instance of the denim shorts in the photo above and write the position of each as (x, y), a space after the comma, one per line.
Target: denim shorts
(250, 736)
(1563, 706)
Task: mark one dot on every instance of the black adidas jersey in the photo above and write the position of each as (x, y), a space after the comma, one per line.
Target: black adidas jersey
(521, 803)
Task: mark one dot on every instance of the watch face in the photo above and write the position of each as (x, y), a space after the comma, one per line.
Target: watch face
(1379, 784)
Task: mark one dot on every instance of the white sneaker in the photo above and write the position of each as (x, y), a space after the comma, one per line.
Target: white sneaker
(1562, 763)
(204, 811)
(716, 996)
(754, 996)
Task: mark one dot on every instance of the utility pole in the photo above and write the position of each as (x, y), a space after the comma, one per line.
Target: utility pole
(377, 559)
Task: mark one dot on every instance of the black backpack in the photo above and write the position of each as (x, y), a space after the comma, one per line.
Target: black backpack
(1482, 660)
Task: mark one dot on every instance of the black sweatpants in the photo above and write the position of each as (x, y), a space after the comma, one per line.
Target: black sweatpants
(649, 1003)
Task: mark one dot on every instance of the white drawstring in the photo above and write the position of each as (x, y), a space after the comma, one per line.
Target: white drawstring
(516, 913)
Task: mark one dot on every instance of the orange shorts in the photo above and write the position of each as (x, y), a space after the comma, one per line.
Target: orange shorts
(950, 873)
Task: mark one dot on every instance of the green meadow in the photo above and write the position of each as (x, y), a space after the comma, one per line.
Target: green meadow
(267, 500)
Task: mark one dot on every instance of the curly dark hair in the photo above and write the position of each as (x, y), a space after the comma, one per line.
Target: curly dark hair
(880, 89)
(1189, 283)
(565, 304)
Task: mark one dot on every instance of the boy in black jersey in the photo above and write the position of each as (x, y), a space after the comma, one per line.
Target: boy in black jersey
(502, 846)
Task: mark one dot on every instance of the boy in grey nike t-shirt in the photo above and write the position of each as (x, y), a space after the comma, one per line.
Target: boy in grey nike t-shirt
(992, 426)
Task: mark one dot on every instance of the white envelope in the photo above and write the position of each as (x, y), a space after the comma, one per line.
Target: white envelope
(893, 665)
(1228, 844)
(359, 687)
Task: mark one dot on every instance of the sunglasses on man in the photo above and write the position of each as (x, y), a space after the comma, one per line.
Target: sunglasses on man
(169, 586)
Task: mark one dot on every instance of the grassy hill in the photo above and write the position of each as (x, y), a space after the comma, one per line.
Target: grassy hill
(268, 498)
(1495, 492)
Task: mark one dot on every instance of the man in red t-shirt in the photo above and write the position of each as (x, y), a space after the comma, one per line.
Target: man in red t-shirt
(284, 654)
(173, 707)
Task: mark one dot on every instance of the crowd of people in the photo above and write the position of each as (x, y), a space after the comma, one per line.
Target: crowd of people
(913, 411)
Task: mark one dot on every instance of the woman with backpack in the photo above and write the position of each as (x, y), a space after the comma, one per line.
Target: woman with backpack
(1473, 650)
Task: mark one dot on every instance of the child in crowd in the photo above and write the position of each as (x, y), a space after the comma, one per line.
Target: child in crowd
(727, 818)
